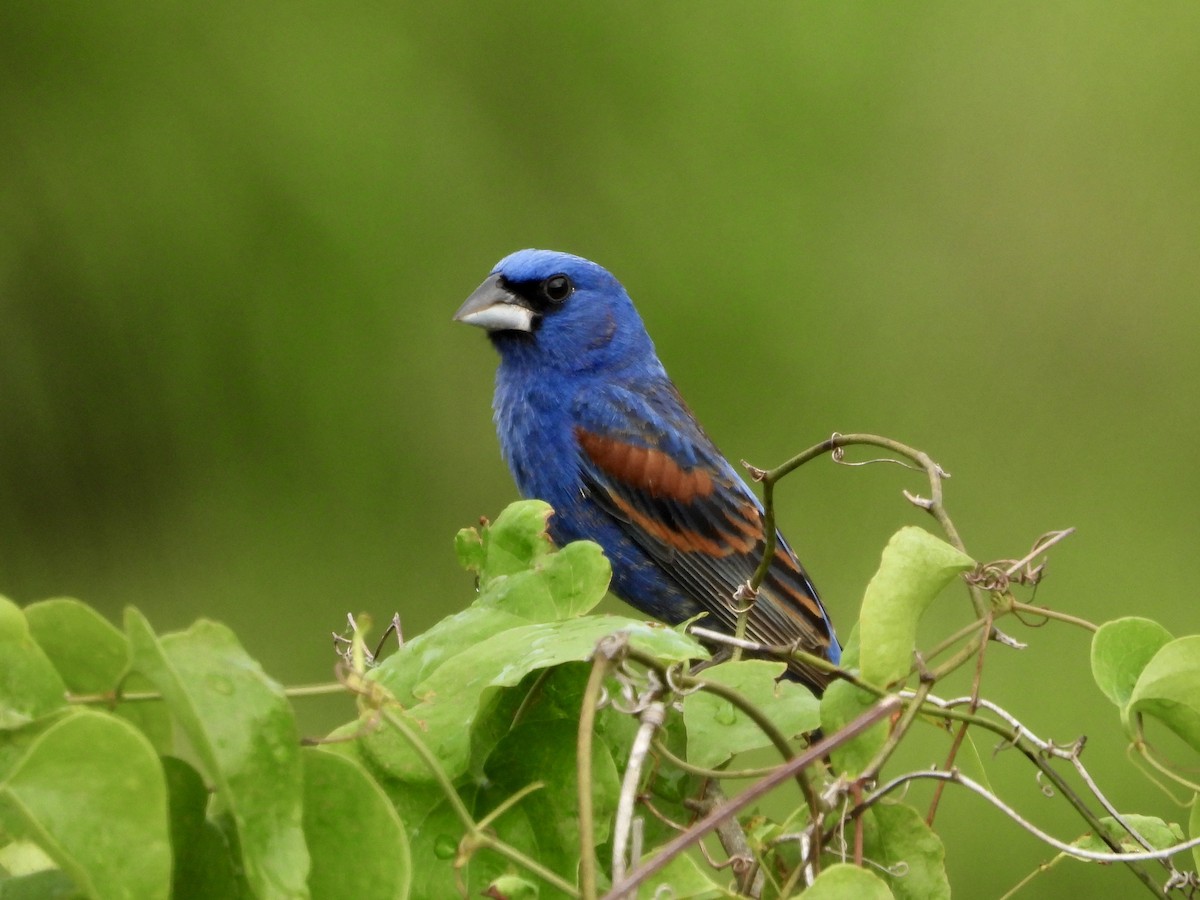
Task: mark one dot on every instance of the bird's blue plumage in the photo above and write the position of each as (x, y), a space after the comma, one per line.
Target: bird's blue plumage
(589, 422)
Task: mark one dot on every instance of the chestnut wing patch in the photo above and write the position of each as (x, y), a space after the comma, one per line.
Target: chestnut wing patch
(644, 467)
(679, 507)
(704, 529)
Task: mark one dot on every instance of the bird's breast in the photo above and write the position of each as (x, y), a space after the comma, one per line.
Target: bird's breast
(536, 437)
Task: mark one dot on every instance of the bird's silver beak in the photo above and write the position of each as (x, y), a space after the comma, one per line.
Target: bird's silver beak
(494, 307)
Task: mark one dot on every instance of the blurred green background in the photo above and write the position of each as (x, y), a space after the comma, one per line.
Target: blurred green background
(232, 238)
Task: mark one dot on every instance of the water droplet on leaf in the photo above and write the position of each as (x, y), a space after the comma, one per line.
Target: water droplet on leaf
(444, 846)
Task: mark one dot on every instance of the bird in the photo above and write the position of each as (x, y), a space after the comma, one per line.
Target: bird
(590, 422)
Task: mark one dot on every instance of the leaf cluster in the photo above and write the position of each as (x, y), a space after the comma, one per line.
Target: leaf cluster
(527, 746)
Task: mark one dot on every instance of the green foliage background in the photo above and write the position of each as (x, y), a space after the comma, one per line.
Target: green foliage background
(232, 237)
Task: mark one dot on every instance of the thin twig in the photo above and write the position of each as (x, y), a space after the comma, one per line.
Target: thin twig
(1030, 609)
(956, 777)
(751, 795)
(896, 734)
(960, 736)
(966, 631)
(934, 505)
(782, 651)
(583, 759)
(700, 771)
(733, 840)
(1086, 776)
(1145, 751)
(509, 802)
(652, 718)
(760, 719)
(1039, 753)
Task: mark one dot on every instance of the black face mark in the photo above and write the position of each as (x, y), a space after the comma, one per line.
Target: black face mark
(543, 297)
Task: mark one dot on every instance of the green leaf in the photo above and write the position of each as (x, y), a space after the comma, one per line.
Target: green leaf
(716, 730)
(560, 585)
(545, 752)
(577, 578)
(13, 626)
(468, 547)
(850, 649)
(358, 844)
(515, 540)
(204, 864)
(52, 884)
(551, 695)
(896, 839)
(556, 586)
(683, 879)
(435, 842)
(412, 802)
(435, 845)
(89, 791)
(88, 651)
(546, 695)
(30, 686)
(241, 726)
(1169, 690)
(549, 702)
(915, 567)
(512, 887)
(841, 704)
(1120, 651)
(92, 657)
(420, 657)
(1158, 834)
(1194, 828)
(846, 882)
(515, 829)
(22, 857)
(451, 697)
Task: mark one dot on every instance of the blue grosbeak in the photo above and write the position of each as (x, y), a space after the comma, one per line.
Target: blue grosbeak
(589, 422)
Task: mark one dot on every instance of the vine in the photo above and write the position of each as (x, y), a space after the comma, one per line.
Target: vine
(527, 746)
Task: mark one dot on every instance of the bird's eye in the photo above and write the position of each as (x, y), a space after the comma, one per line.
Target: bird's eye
(557, 288)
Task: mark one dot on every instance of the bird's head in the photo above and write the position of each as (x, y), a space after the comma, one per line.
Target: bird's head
(542, 307)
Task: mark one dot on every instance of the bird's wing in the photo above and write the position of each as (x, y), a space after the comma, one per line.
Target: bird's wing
(652, 468)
